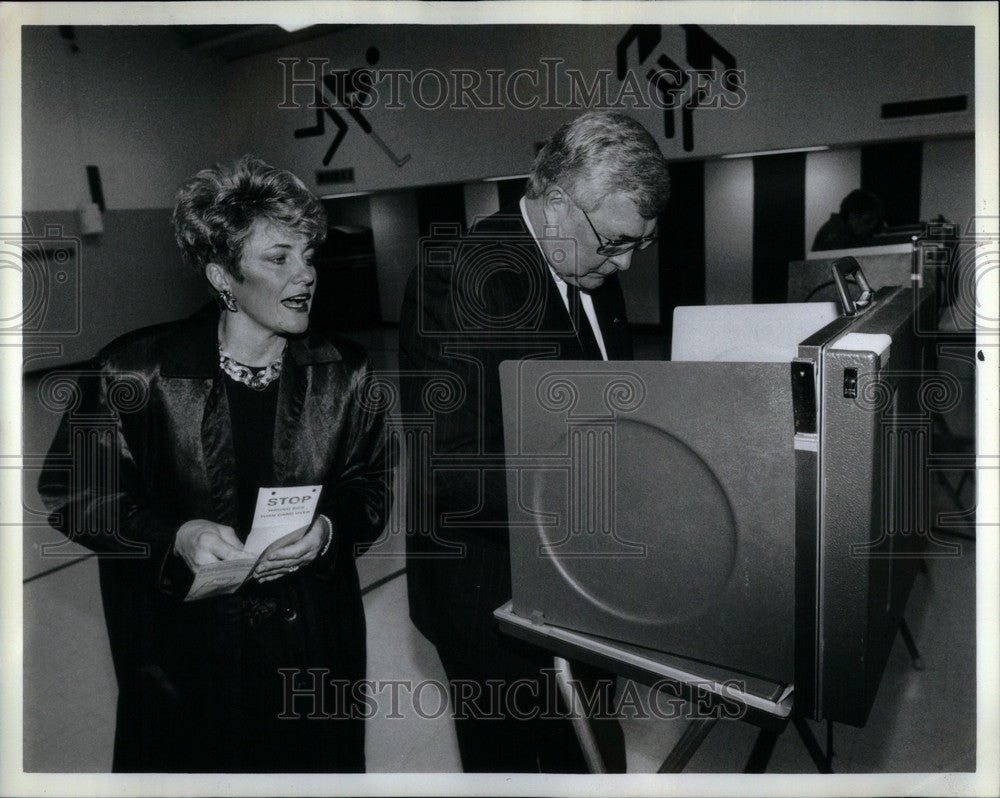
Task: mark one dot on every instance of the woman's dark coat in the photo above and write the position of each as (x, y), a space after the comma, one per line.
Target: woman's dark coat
(146, 445)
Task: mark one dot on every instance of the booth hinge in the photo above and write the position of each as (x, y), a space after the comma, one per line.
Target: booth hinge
(804, 396)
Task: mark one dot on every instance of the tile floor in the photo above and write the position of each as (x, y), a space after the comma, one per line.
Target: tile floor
(922, 720)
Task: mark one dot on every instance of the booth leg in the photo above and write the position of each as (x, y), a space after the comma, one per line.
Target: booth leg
(584, 733)
(911, 645)
(685, 748)
(818, 757)
(763, 747)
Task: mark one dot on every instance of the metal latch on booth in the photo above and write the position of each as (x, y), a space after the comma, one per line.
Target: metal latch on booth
(850, 383)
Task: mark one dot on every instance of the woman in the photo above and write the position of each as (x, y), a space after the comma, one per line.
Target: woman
(175, 432)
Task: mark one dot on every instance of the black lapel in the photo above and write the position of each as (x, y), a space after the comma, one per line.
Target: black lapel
(191, 353)
(547, 323)
(556, 320)
(217, 446)
(296, 372)
(291, 397)
(609, 307)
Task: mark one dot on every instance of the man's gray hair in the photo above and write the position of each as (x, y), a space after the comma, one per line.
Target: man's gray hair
(602, 153)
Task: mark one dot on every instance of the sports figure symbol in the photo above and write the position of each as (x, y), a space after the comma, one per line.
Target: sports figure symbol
(350, 91)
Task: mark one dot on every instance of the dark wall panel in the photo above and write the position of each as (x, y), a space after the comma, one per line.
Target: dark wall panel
(892, 172)
(779, 201)
(440, 205)
(682, 241)
(509, 192)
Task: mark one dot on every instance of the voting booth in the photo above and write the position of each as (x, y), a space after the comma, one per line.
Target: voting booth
(920, 256)
(750, 508)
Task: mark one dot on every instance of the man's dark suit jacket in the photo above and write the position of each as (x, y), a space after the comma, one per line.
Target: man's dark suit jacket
(469, 306)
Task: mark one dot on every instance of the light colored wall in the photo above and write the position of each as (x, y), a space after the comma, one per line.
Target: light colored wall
(729, 232)
(131, 102)
(149, 114)
(481, 200)
(948, 181)
(947, 188)
(350, 211)
(130, 276)
(805, 85)
(809, 85)
(830, 176)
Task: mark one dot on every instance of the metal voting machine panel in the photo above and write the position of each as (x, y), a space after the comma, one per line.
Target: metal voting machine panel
(741, 514)
(654, 503)
(862, 503)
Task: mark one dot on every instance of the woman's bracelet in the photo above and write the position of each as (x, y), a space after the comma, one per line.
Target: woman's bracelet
(329, 537)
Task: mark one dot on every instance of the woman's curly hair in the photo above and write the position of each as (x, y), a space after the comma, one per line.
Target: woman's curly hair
(216, 209)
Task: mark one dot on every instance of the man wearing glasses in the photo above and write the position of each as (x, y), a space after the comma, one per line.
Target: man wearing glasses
(534, 281)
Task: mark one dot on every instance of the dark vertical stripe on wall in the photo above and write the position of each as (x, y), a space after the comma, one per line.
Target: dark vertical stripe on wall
(682, 241)
(779, 208)
(509, 193)
(892, 172)
(440, 205)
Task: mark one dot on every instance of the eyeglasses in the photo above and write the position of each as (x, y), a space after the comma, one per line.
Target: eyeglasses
(618, 246)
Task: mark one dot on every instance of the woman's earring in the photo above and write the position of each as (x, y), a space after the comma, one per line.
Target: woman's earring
(227, 301)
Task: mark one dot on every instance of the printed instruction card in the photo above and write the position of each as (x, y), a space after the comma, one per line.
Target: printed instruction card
(282, 516)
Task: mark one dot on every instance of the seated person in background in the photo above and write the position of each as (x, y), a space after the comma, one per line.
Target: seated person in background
(860, 218)
(194, 417)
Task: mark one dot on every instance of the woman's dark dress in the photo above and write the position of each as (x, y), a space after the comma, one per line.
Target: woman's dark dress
(246, 682)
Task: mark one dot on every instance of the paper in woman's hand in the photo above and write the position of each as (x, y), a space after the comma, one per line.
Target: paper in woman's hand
(282, 516)
(280, 512)
(219, 578)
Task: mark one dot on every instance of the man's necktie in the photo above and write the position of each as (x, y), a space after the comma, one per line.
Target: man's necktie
(584, 330)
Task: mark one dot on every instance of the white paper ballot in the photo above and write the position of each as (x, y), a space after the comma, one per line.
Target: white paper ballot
(282, 516)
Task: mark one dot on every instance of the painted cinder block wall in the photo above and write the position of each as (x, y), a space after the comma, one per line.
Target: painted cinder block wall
(149, 113)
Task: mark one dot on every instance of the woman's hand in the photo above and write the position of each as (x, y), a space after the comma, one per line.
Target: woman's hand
(201, 542)
(294, 555)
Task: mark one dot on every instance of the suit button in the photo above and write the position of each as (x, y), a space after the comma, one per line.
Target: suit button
(289, 614)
